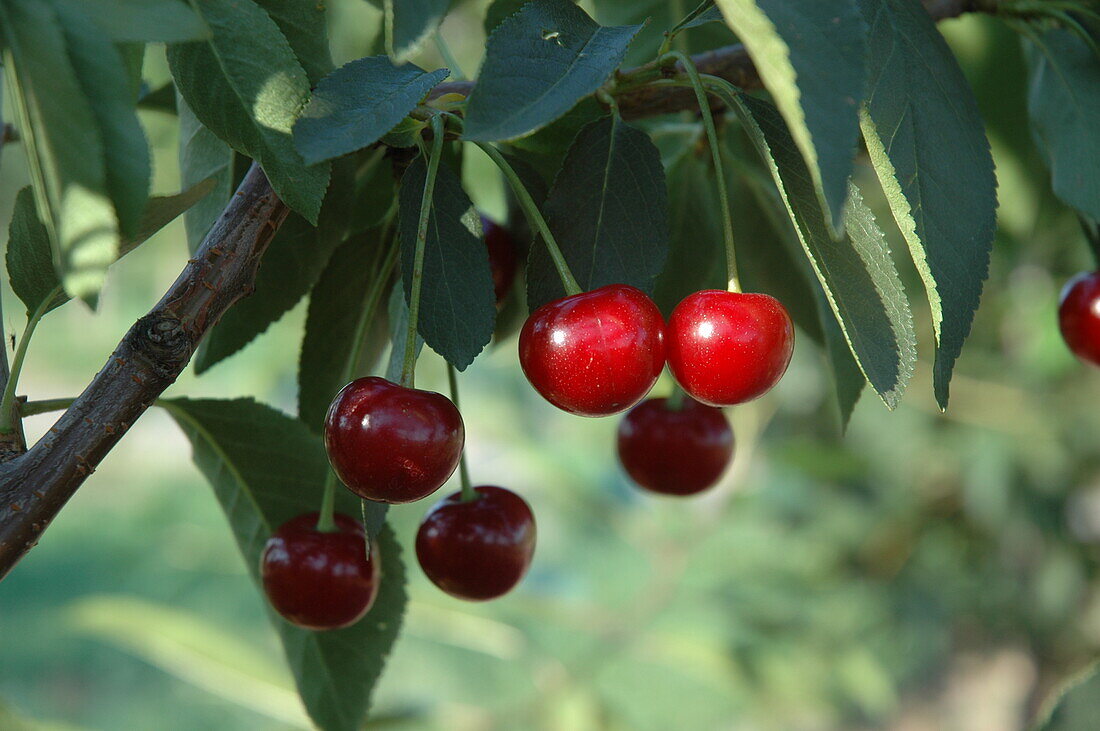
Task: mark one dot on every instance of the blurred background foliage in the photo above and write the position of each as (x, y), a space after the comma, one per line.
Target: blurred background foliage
(927, 571)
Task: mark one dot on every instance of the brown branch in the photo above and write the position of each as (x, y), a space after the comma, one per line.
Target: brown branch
(34, 487)
(37, 484)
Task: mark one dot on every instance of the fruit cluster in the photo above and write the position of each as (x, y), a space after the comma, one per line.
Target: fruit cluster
(593, 353)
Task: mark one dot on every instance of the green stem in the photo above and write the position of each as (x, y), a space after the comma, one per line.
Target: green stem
(33, 408)
(408, 368)
(675, 401)
(8, 402)
(326, 521)
(448, 57)
(468, 493)
(734, 283)
(534, 216)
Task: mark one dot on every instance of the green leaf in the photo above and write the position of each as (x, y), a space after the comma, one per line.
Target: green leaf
(266, 468)
(336, 307)
(65, 147)
(358, 103)
(102, 75)
(247, 87)
(856, 272)
(162, 21)
(202, 156)
(161, 99)
(705, 12)
(927, 144)
(375, 190)
(29, 259)
(608, 210)
(538, 64)
(409, 23)
(545, 149)
(659, 16)
(304, 26)
(30, 263)
(811, 57)
(457, 305)
(1064, 104)
(498, 10)
(848, 379)
(1076, 707)
(290, 267)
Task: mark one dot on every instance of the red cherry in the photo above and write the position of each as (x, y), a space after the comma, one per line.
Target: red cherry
(675, 451)
(320, 580)
(594, 353)
(390, 443)
(478, 549)
(727, 348)
(1079, 316)
(502, 257)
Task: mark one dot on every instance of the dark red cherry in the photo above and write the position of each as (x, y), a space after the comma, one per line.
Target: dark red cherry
(502, 257)
(1079, 316)
(675, 451)
(390, 443)
(727, 348)
(478, 549)
(320, 580)
(594, 353)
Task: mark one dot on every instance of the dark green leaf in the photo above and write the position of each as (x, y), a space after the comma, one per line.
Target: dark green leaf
(161, 210)
(457, 305)
(1064, 104)
(1076, 707)
(928, 147)
(163, 21)
(266, 468)
(333, 326)
(856, 272)
(161, 99)
(61, 134)
(608, 210)
(498, 10)
(811, 57)
(375, 190)
(290, 267)
(409, 23)
(102, 75)
(545, 149)
(357, 104)
(202, 156)
(848, 380)
(247, 87)
(538, 64)
(705, 12)
(303, 24)
(398, 310)
(29, 258)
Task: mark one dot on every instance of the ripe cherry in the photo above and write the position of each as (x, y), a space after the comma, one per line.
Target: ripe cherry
(675, 451)
(320, 580)
(594, 353)
(727, 348)
(477, 549)
(502, 257)
(1079, 316)
(390, 443)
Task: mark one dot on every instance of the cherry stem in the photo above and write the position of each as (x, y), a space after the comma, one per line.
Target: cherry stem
(535, 218)
(325, 521)
(468, 492)
(734, 284)
(448, 56)
(408, 368)
(7, 412)
(676, 398)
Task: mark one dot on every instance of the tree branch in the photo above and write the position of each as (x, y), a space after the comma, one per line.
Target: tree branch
(35, 486)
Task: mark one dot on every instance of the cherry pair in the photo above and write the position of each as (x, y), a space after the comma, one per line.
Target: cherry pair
(600, 352)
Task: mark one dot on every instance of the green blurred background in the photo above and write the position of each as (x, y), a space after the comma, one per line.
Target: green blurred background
(928, 571)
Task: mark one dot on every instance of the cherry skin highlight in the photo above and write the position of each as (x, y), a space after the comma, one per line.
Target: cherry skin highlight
(478, 549)
(595, 353)
(726, 348)
(502, 257)
(390, 443)
(318, 580)
(675, 451)
(1079, 316)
